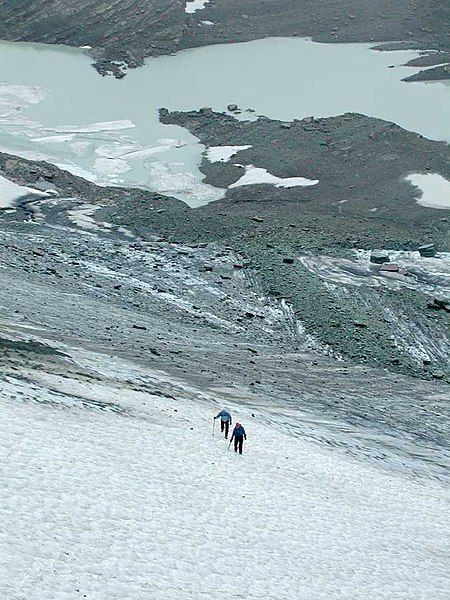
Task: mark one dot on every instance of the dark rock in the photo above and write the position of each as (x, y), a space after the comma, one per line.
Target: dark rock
(438, 374)
(390, 267)
(439, 304)
(232, 107)
(379, 257)
(139, 327)
(427, 250)
(288, 261)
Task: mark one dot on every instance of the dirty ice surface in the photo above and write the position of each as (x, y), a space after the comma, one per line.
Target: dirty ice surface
(52, 104)
(10, 193)
(430, 276)
(257, 176)
(113, 492)
(435, 190)
(193, 6)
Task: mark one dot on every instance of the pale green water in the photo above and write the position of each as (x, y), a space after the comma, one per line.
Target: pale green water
(280, 78)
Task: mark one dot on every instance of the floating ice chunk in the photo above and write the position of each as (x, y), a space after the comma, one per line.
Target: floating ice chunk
(193, 6)
(206, 23)
(173, 143)
(223, 153)
(116, 149)
(14, 98)
(256, 176)
(24, 94)
(54, 139)
(111, 166)
(144, 152)
(435, 190)
(95, 127)
(133, 151)
(10, 192)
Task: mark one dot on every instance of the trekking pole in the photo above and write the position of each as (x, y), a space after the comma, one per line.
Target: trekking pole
(214, 424)
(229, 445)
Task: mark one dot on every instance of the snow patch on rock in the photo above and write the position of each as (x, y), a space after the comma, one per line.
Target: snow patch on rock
(10, 192)
(435, 190)
(166, 179)
(257, 176)
(193, 6)
(223, 153)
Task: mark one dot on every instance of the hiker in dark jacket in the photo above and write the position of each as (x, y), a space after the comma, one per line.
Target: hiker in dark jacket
(225, 421)
(238, 435)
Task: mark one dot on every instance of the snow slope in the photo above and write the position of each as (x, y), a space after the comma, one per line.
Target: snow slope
(108, 492)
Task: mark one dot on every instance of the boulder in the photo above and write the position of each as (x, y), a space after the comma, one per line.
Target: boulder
(232, 107)
(439, 304)
(288, 261)
(390, 267)
(438, 374)
(379, 257)
(427, 250)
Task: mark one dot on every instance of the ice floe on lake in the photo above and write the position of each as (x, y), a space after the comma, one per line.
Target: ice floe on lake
(15, 97)
(223, 153)
(258, 176)
(111, 166)
(435, 190)
(96, 127)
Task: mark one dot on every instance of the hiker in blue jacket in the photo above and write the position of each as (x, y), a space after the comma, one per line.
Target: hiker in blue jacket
(225, 421)
(239, 436)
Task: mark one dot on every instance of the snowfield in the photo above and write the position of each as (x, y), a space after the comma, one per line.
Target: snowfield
(111, 493)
